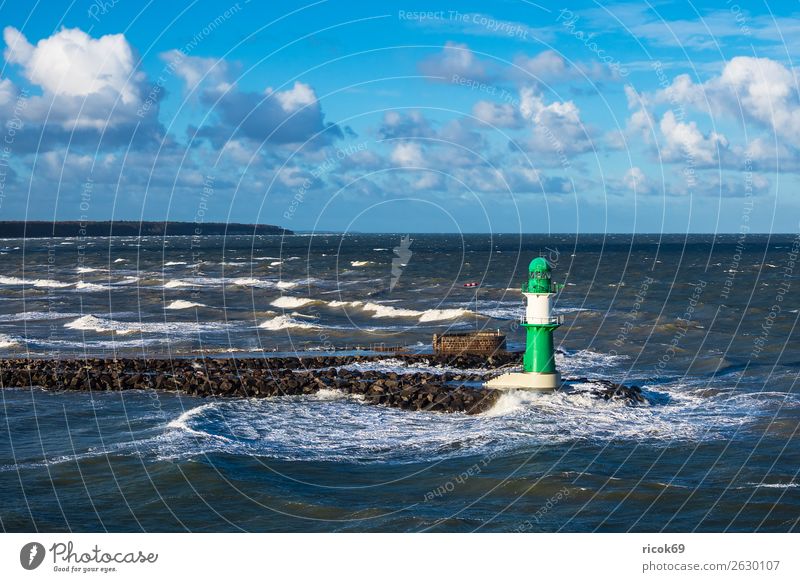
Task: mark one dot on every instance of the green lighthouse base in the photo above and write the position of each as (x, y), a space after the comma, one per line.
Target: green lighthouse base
(526, 381)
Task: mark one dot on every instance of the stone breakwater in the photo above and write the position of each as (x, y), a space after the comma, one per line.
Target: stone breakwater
(456, 389)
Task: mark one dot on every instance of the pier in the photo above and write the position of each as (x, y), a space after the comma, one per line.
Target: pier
(457, 388)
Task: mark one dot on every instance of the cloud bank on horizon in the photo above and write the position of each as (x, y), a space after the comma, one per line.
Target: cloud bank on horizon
(631, 117)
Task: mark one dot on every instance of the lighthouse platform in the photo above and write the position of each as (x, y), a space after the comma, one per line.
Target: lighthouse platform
(526, 381)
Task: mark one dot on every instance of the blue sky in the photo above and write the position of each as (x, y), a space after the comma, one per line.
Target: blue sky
(403, 116)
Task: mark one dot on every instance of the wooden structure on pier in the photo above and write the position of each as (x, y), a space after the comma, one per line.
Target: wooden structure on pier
(484, 343)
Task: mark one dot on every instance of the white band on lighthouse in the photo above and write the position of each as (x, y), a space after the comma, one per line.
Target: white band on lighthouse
(539, 308)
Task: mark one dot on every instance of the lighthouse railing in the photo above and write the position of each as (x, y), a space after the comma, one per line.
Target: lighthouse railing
(553, 320)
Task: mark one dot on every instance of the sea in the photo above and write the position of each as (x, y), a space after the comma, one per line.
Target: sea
(706, 325)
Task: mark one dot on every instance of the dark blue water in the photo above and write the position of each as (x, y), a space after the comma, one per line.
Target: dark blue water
(707, 326)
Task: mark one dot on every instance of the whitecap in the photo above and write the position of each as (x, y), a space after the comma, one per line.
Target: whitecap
(182, 422)
(380, 310)
(443, 314)
(285, 322)
(176, 283)
(287, 302)
(40, 283)
(7, 341)
(36, 316)
(103, 325)
(182, 304)
(82, 286)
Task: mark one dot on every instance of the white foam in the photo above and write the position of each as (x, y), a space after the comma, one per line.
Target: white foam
(176, 284)
(182, 304)
(338, 303)
(120, 260)
(329, 394)
(127, 281)
(511, 401)
(220, 281)
(286, 322)
(36, 316)
(380, 310)
(286, 284)
(86, 270)
(387, 365)
(302, 315)
(174, 263)
(81, 286)
(252, 282)
(287, 302)
(103, 325)
(336, 427)
(182, 422)
(443, 314)
(40, 283)
(6, 341)
(359, 263)
(588, 362)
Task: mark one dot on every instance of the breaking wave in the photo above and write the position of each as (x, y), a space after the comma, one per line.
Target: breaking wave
(287, 302)
(182, 304)
(6, 341)
(103, 325)
(39, 283)
(380, 310)
(286, 322)
(81, 286)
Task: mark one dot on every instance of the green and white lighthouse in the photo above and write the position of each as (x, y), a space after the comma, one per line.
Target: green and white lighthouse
(538, 364)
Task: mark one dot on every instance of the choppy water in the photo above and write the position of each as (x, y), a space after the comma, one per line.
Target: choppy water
(716, 448)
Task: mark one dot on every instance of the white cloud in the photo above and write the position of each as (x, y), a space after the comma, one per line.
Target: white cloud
(757, 89)
(81, 88)
(407, 154)
(497, 114)
(72, 63)
(558, 131)
(636, 181)
(239, 151)
(455, 59)
(684, 141)
(292, 176)
(428, 181)
(299, 96)
(7, 91)
(196, 70)
(550, 67)
(532, 107)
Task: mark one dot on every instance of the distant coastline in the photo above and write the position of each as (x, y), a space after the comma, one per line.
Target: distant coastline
(75, 228)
